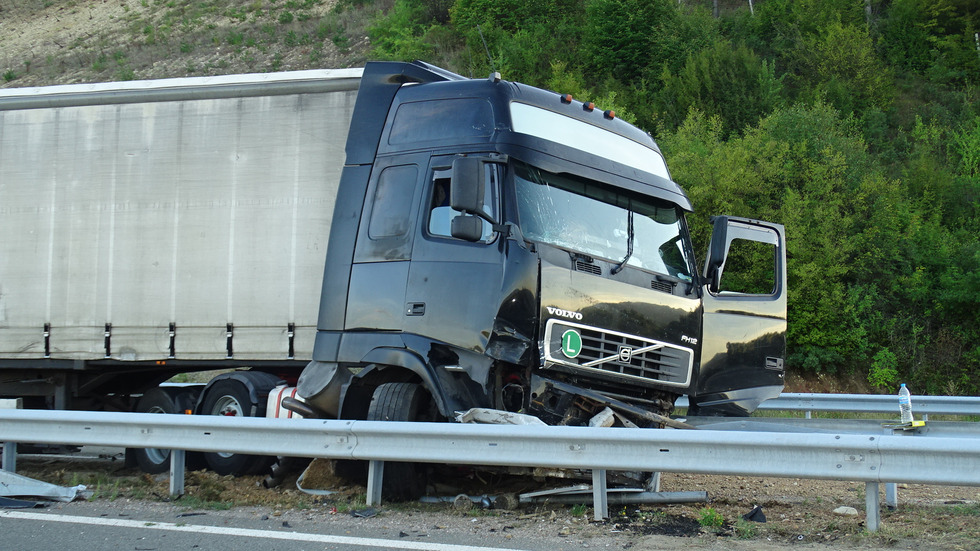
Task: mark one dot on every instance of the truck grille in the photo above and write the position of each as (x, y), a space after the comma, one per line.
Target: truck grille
(616, 354)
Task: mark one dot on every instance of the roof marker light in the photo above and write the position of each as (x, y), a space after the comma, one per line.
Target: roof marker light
(566, 98)
(609, 114)
(588, 106)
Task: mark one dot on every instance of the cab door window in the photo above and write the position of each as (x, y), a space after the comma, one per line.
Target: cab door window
(440, 215)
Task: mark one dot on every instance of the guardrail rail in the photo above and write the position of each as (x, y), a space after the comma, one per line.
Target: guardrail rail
(873, 459)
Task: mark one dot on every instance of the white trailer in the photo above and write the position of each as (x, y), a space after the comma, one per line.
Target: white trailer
(156, 227)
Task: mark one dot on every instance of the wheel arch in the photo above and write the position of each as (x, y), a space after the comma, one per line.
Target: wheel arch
(386, 365)
(258, 384)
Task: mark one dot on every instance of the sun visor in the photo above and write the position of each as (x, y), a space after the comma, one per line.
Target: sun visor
(558, 158)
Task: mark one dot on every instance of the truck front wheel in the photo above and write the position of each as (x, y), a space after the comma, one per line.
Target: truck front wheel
(231, 399)
(401, 402)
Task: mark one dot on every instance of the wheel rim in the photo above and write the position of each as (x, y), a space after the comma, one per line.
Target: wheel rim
(227, 406)
(157, 455)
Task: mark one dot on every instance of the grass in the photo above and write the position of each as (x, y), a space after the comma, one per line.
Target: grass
(972, 510)
(102, 485)
(196, 502)
(746, 529)
(355, 502)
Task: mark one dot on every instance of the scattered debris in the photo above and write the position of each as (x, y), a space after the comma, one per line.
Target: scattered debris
(364, 513)
(496, 417)
(615, 496)
(846, 511)
(15, 485)
(755, 515)
(462, 502)
(605, 418)
(319, 474)
(507, 502)
(578, 488)
(11, 503)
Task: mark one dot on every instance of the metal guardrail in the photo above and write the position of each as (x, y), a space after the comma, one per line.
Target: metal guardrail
(851, 457)
(932, 429)
(867, 403)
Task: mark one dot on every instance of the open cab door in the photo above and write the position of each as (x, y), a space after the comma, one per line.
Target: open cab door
(744, 322)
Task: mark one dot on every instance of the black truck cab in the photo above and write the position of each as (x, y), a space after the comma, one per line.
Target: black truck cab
(500, 246)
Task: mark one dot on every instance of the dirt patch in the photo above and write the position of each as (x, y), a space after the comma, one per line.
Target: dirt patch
(45, 42)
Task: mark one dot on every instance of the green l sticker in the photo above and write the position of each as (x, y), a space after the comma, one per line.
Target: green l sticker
(571, 343)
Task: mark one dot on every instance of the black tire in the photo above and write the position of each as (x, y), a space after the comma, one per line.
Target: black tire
(231, 398)
(401, 402)
(153, 460)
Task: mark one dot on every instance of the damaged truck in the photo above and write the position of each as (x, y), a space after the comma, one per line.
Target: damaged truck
(393, 243)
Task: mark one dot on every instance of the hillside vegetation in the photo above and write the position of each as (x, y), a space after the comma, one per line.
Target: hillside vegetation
(856, 123)
(66, 41)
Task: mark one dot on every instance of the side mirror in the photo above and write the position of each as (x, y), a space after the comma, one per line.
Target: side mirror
(468, 228)
(467, 188)
(717, 251)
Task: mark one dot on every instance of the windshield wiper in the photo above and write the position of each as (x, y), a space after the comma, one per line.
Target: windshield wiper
(629, 244)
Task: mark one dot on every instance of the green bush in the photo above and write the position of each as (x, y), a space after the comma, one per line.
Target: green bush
(838, 65)
(635, 39)
(884, 370)
(400, 34)
(710, 518)
(725, 81)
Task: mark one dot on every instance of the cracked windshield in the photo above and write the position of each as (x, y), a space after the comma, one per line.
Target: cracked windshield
(585, 216)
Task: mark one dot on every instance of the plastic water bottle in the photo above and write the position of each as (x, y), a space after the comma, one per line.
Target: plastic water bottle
(905, 404)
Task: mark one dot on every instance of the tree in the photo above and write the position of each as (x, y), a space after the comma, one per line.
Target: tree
(727, 81)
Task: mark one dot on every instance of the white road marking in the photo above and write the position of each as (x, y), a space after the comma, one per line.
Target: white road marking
(245, 532)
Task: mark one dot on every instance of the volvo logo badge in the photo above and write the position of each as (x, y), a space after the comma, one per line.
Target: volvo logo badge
(564, 313)
(625, 354)
(571, 343)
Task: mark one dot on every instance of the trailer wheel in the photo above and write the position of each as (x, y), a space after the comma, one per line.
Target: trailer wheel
(231, 398)
(154, 460)
(400, 402)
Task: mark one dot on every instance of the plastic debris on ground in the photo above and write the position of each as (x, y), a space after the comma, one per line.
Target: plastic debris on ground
(496, 417)
(755, 515)
(15, 485)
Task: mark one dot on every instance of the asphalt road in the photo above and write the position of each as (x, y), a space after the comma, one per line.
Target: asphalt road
(146, 525)
(105, 526)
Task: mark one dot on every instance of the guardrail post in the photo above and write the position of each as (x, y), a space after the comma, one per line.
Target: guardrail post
(600, 497)
(872, 506)
(376, 471)
(10, 457)
(891, 495)
(9, 462)
(891, 488)
(177, 472)
(653, 483)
